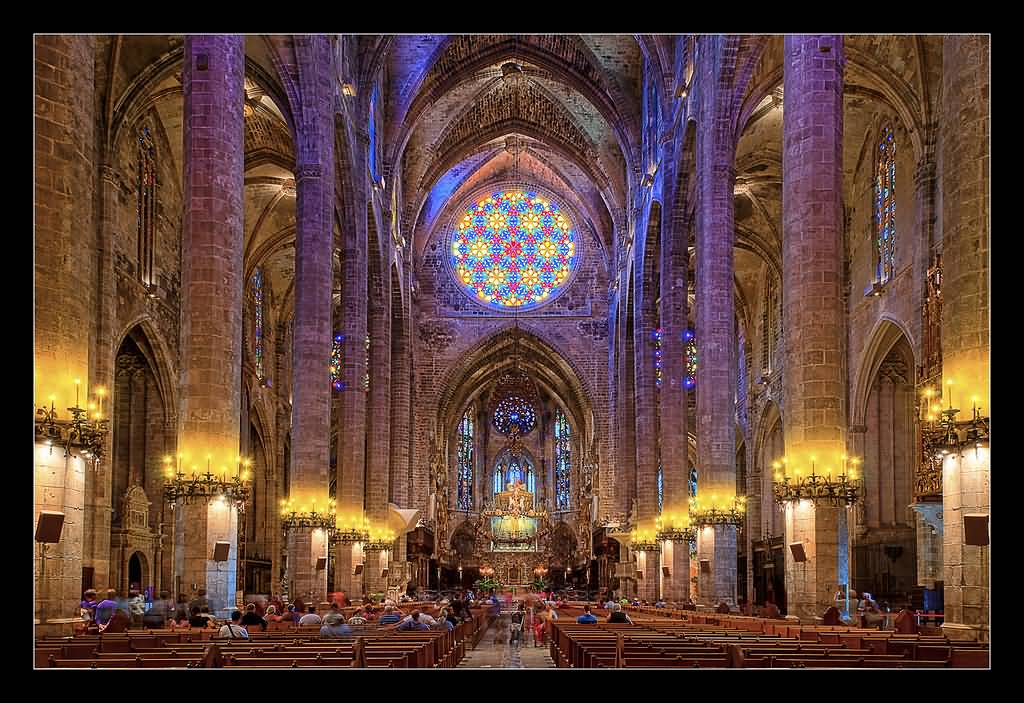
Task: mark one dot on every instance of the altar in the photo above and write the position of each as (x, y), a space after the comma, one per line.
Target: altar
(515, 530)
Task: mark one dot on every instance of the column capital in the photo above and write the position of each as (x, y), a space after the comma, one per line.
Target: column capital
(304, 171)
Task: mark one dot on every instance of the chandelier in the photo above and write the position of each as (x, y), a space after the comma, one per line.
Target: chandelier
(79, 431)
(178, 486)
(720, 515)
(946, 434)
(841, 490)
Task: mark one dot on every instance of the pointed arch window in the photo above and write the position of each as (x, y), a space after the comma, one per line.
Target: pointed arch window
(661, 488)
(372, 129)
(657, 334)
(257, 299)
(336, 362)
(885, 205)
(563, 460)
(690, 350)
(499, 484)
(366, 376)
(146, 205)
(693, 481)
(465, 463)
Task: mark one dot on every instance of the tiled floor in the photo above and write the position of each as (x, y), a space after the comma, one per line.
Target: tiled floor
(494, 652)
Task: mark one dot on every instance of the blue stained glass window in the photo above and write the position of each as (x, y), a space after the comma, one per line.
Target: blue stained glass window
(336, 362)
(885, 206)
(563, 460)
(661, 488)
(531, 482)
(690, 350)
(372, 128)
(499, 485)
(257, 296)
(465, 463)
(693, 481)
(514, 474)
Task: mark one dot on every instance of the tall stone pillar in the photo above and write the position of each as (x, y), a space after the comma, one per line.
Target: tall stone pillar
(646, 408)
(64, 284)
(312, 338)
(964, 144)
(672, 396)
(352, 413)
(715, 320)
(211, 306)
(378, 436)
(814, 375)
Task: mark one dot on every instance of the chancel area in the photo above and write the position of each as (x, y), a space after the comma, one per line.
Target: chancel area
(554, 351)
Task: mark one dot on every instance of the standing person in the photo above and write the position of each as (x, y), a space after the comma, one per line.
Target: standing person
(540, 621)
(516, 626)
(87, 609)
(200, 600)
(136, 608)
(906, 622)
(106, 607)
(159, 613)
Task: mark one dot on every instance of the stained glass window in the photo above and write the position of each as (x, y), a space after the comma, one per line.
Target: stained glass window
(372, 128)
(690, 340)
(693, 481)
(336, 362)
(657, 358)
(146, 205)
(465, 463)
(499, 484)
(563, 460)
(885, 205)
(514, 473)
(661, 488)
(514, 249)
(257, 298)
(366, 376)
(531, 482)
(514, 411)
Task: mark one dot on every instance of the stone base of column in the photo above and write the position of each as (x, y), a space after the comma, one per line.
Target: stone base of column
(675, 587)
(373, 578)
(197, 529)
(928, 526)
(811, 584)
(58, 627)
(349, 558)
(965, 633)
(648, 564)
(965, 491)
(716, 576)
(306, 546)
(59, 488)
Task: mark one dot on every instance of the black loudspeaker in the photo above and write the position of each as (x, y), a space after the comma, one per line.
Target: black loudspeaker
(665, 571)
(49, 527)
(639, 575)
(798, 551)
(383, 573)
(321, 563)
(975, 530)
(705, 566)
(358, 570)
(220, 551)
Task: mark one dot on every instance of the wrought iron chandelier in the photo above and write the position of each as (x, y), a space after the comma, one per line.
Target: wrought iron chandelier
(843, 489)
(88, 435)
(720, 515)
(178, 486)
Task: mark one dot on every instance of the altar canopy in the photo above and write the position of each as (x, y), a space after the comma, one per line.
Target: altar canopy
(514, 522)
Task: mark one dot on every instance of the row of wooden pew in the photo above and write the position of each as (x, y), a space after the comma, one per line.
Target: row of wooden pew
(696, 642)
(295, 648)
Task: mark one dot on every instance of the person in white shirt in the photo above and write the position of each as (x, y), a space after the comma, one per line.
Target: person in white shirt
(310, 618)
(233, 630)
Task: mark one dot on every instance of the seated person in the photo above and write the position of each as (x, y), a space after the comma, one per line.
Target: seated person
(771, 610)
(119, 622)
(210, 618)
(619, 615)
(659, 603)
(413, 623)
(831, 616)
(390, 616)
(252, 618)
(272, 615)
(588, 618)
(234, 630)
(106, 607)
(197, 619)
(358, 618)
(180, 619)
(310, 618)
(334, 627)
(723, 608)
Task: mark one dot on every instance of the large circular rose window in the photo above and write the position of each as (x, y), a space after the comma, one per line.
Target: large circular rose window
(514, 250)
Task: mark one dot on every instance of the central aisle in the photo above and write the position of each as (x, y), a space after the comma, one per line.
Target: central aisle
(494, 651)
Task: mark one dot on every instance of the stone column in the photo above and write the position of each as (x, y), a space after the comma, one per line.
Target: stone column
(645, 405)
(715, 321)
(965, 321)
(312, 333)
(672, 397)
(814, 375)
(401, 364)
(211, 305)
(65, 271)
(378, 434)
(352, 414)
